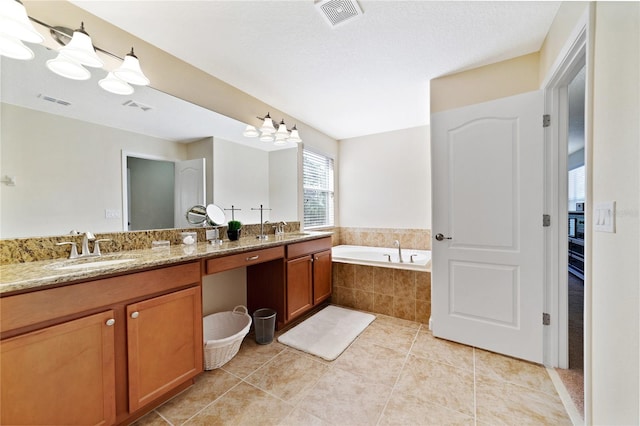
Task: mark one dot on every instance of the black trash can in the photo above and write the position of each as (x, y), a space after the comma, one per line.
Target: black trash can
(264, 321)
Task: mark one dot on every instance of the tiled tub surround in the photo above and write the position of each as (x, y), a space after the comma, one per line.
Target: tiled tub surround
(419, 239)
(20, 250)
(394, 292)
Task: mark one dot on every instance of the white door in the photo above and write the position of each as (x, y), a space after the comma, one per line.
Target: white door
(190, 188)
(487, 186)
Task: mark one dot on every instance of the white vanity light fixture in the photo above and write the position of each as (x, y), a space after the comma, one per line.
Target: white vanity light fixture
(250, 132)
(268, 132)
(15, 28)
(81, 50)
(113, 84)
(68, 68)
(130, 71)
(294, 136)
(267, 126)
(72, 56)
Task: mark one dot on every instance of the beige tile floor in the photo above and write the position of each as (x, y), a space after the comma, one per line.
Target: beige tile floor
(394, 373)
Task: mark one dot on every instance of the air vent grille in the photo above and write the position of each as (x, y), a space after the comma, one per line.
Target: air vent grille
(138, 105)
(54, 100)
(337, 12)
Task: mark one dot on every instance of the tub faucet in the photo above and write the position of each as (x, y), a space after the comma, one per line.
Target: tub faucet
(396, 243)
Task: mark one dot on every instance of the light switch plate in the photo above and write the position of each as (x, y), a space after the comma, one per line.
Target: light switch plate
(604, 217)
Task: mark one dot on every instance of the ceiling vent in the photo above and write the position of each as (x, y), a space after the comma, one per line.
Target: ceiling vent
(53, 100)
(338, 12)
(134, 104)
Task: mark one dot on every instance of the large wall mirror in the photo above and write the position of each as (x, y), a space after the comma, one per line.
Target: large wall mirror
(68, 151)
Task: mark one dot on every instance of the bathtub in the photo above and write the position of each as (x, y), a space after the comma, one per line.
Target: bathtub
(376, 256)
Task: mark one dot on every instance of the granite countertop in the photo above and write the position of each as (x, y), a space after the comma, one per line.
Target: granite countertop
(19, 277)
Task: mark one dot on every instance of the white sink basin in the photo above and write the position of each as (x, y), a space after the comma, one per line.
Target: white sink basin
(91, 262)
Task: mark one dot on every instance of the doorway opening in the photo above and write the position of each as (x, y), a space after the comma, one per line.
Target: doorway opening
(573, 375)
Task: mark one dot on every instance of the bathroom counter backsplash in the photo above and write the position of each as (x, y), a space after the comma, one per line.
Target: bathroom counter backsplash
(31, 275)
(20, 250)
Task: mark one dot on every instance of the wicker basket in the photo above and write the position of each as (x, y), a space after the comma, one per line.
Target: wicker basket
(223, 334)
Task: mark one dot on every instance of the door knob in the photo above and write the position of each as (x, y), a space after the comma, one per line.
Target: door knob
(441, 237)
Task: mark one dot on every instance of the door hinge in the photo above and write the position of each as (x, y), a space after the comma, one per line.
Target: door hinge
(546, 319)
(546, 120)
(546, 220)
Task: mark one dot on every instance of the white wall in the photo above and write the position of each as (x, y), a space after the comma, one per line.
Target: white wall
(616, 176)
(204, 149)
(283, 184)
(241, 179)
(67, 171)
(385, 180)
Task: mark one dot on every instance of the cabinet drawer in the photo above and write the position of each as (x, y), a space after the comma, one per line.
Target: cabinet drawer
(308, 247)
(27, 309)
(240, 260)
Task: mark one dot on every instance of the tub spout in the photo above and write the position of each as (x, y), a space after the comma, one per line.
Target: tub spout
(396, 243)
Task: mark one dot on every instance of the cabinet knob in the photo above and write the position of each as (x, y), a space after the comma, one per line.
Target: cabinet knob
(135, 314)
(110, 322)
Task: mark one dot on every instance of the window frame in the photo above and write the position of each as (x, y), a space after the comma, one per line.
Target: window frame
(330, 191)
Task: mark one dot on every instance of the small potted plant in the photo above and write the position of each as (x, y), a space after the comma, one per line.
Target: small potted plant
(233, 229)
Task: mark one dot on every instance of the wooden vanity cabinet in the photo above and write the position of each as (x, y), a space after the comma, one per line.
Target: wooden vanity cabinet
(100, 352)
(308, 275)
(63, 374)
(164, 337)
(294, 285)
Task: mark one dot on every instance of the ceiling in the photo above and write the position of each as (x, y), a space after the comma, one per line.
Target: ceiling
(368, 75)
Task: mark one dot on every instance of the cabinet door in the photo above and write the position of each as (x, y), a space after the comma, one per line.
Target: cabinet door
(321, 276)
(63, 374)
(164, 338)
(299, 290)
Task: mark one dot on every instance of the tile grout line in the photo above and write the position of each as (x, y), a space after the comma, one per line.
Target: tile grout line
(212, 402)
(393, 388)
(241, 380)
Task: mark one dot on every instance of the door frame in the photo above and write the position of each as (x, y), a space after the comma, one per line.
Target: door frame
(577, 51)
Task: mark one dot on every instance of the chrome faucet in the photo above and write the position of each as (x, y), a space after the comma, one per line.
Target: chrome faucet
(88, 236)
(85, 252)
(396, 243)
(279, 227)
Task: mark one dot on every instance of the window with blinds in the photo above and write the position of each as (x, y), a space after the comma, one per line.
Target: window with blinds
(317, 170)
(576, 187)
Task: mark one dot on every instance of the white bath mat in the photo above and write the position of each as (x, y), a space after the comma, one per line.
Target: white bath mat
(328, 333)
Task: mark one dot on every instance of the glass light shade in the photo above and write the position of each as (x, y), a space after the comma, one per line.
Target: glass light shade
(68, 68)
(294, 137)
(113, 84)
(81, 50)
(266, 137)
(15, 22)
(11, 47)
(280, 142)
(282, 132)
(250, 132)
(131, 72)
(267, 126)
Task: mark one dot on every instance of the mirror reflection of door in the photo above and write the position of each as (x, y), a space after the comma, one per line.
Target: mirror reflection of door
(159, 192)
(150, 193)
